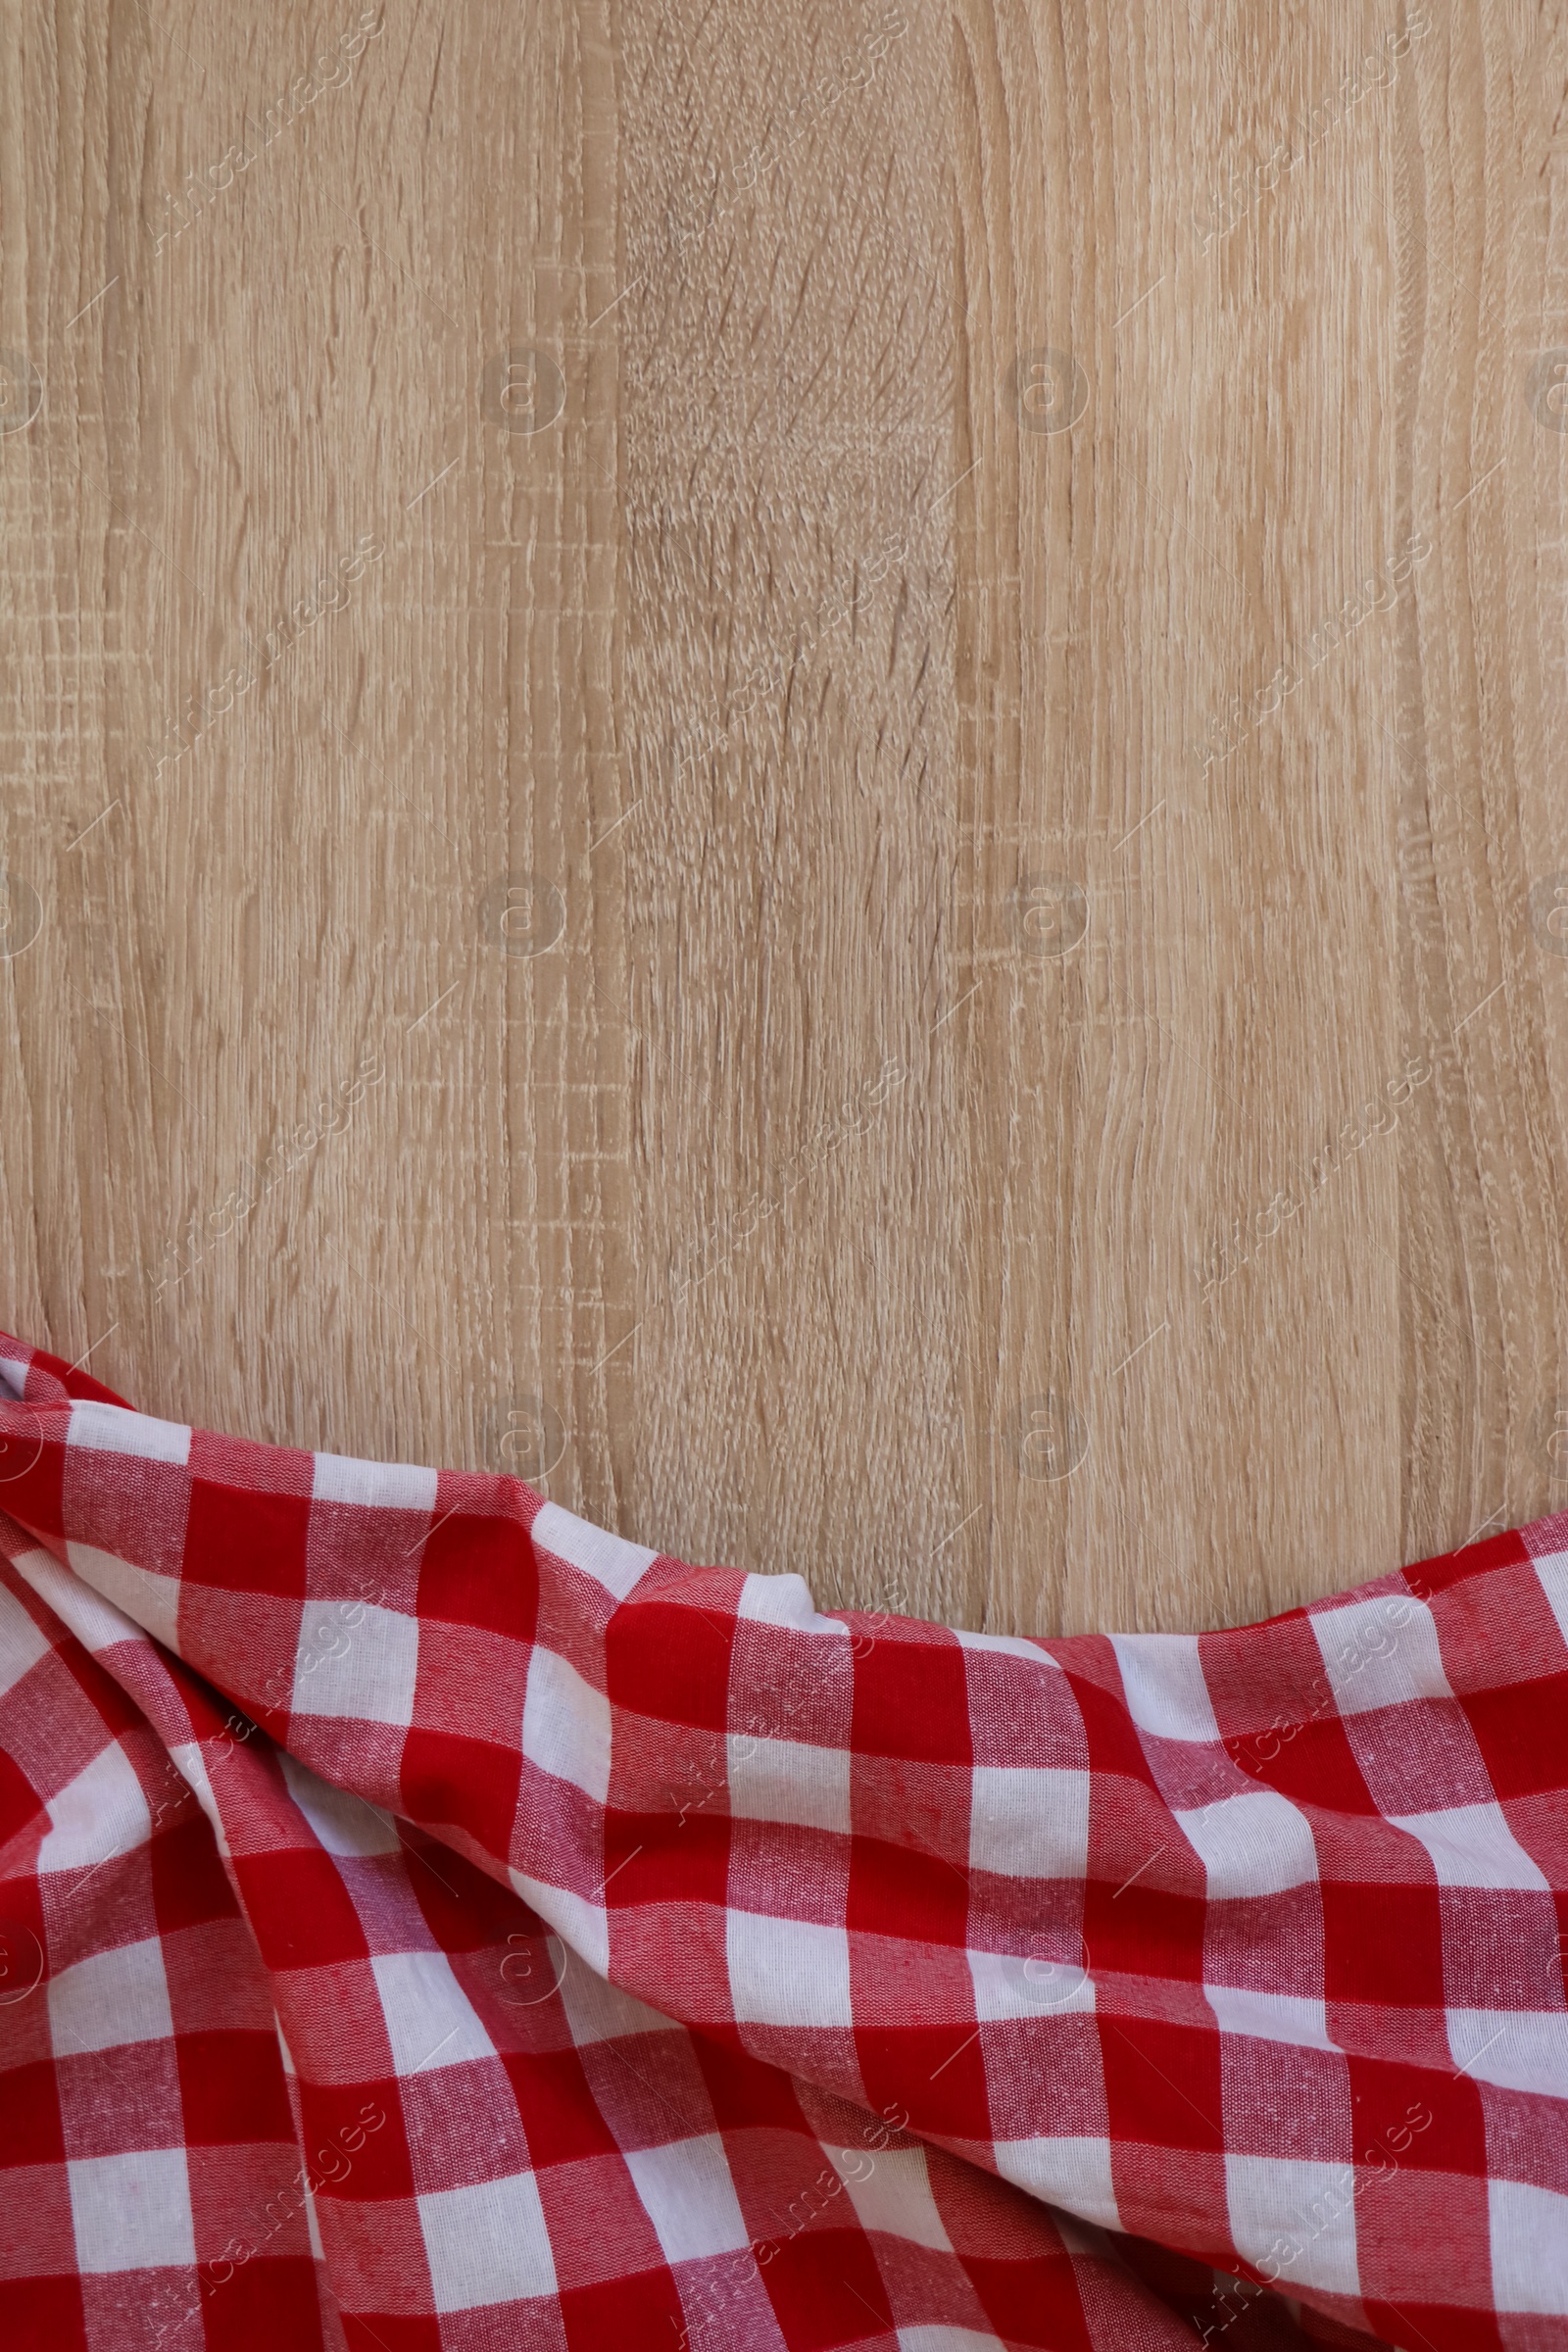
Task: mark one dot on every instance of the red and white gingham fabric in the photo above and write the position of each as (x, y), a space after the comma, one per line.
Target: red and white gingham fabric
(431, 1921)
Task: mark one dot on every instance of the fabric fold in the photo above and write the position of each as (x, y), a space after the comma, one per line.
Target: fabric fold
(431, 1920)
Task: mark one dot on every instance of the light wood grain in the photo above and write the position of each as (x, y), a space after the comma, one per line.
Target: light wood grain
(818, 1060)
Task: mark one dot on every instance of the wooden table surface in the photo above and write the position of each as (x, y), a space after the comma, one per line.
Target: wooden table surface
(807, 768)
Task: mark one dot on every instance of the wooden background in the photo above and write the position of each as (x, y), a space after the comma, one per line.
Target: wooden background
(860, 948)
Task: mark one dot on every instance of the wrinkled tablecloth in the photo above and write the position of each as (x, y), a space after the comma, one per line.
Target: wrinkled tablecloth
(428, 1920)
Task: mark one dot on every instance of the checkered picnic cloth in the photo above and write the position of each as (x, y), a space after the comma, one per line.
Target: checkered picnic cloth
(428, 1919)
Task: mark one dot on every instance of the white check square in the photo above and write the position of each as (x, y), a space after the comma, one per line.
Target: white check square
(1271, 2016)
(1310, 2207)
(114, 1429)
(98, 1624)
(566, 1724)
(110, 1998)
(1552, 1570)
(689, 2196)
(378, 1486)
(598, 2010)
(150, 1600)
(487, 2243)
(1073, 2172)
(609, 1559)
(1256, 1843)
(784, 1599)
(361, 1672)
(1529, 2229)
(786, 1779)
(100, 1813)
(132, 2213)
(1028, 1822)
(1010, 1984)
(891, 2191)
(344, 1823)
(1380, 1653)
(787, 1971)
(580, 1920)
(1472, 1845)
(22, 1643)
(431, 2020)
(1162, 1675)
(1518, 2049)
